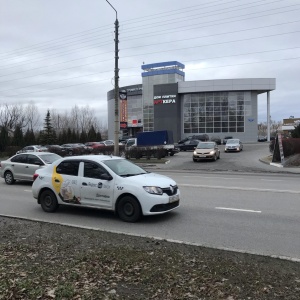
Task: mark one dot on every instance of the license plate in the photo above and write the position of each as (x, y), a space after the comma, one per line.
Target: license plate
(202, 155)
(173, 198)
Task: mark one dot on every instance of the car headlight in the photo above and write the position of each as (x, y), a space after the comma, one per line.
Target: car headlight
(195, 152)
(153, 190)
(212, 152)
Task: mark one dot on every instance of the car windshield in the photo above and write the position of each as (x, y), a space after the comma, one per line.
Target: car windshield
(205, 145)
(49, 158)
(232, 141)
(123, 167)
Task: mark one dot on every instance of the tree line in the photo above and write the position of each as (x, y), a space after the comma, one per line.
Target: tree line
(22, 125)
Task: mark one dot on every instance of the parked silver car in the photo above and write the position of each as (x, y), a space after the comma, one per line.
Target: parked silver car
(22, 166)
(234, 145)
(33, 148)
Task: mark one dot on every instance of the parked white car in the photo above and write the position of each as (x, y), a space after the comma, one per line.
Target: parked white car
(105, 182)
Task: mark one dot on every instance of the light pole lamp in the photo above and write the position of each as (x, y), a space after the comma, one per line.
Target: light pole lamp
(117, 118)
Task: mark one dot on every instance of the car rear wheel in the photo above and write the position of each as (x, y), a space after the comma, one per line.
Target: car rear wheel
(48, 201)
(9, 178)
(128, 209)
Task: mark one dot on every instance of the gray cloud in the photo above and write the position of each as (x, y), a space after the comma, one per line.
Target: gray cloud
(61, 53)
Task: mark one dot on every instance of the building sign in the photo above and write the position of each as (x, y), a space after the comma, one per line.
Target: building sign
(123, 108)
(164, 99)
(123, 125)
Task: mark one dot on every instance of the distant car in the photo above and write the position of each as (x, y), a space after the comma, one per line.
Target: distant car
(226, 138)
(261, 138)
(33, 148)
(56, 149)
(105, 182)
(216, 139)
(188, 145)
(234, 145)
(206, 150)
(200, 137)
(22, 166)
(72, 149)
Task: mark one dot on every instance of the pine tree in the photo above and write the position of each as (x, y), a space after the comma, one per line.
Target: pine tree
(47, 137)
(296, 132)
(92, 136)
(29, 137)
(18, 138)
(4, 139)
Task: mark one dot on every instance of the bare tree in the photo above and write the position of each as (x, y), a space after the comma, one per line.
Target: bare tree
(12, 115)
(32, 116)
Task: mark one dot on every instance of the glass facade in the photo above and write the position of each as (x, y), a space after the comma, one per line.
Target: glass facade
(215, 112)
(134, 109)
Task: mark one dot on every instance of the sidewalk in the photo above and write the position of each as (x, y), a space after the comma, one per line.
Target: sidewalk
(286, 166)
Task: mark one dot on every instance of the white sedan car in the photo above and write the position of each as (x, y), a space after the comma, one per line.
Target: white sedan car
(233, 145)
(105, 182)
(22, 166)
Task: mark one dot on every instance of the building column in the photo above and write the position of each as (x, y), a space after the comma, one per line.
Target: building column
(268, 116)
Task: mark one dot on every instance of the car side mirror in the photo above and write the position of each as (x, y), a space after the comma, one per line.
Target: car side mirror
(105, 176)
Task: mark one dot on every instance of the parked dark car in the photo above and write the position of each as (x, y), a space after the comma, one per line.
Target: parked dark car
(216, 139)
(56, 149)
(261, 138)
(72, 149)
(188, 145)
(226, 138)
(200, 137)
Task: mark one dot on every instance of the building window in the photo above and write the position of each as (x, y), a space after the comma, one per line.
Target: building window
(215, 112)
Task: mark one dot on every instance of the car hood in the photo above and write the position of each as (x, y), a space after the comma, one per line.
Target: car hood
(151, 179)
(201, 151)
(232, 145)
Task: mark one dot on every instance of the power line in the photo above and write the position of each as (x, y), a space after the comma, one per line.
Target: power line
(133, 48)
(160, 32)
(107, 79)
(176, 20)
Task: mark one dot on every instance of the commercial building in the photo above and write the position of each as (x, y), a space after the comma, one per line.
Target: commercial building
(165, 101)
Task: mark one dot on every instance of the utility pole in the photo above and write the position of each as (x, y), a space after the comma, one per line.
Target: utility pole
(117, 118)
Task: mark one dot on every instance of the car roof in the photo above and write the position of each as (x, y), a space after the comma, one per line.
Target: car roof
(96, 158)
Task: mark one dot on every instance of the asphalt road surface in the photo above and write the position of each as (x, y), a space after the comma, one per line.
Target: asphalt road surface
(255, 213)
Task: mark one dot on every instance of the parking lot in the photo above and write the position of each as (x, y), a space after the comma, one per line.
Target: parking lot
(247, 160)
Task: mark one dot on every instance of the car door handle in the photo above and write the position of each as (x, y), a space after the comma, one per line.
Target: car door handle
(84, 183)
(26, 167)
(56, 180)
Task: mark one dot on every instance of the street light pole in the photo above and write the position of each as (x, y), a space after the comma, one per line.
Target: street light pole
(117, 118)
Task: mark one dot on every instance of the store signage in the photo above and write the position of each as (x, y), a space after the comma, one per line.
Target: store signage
(164, 99)
(123, 108)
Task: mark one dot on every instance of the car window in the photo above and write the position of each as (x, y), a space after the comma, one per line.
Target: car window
(22, 158)
(50, 158)
(93, 170)
(68, 168)
(33, 160)
(123, 167)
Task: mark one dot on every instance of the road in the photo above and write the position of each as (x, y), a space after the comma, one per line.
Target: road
(255, 213)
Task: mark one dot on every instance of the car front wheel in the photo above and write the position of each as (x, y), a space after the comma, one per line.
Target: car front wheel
(48, 201)
(128, 209)
(9, 178)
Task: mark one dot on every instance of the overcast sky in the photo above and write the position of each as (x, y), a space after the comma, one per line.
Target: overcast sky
(60, 53)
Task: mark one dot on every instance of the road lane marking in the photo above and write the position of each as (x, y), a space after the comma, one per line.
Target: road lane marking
(28, 191)
(225, 178)
(270, 180)
(239, 209)
(237, 188)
